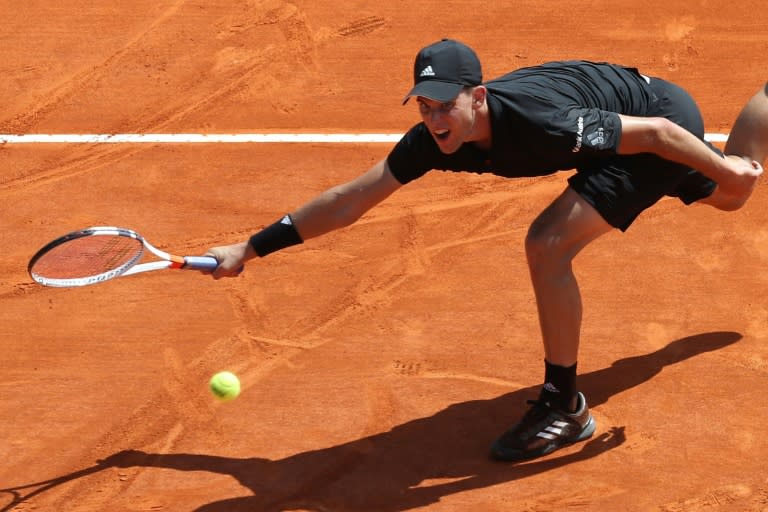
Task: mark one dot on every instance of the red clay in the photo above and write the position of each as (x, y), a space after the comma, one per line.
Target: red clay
(380, 362)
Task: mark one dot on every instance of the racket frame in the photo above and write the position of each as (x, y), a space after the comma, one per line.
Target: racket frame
(130, 267)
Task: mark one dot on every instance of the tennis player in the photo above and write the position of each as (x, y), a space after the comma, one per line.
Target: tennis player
(631, 138)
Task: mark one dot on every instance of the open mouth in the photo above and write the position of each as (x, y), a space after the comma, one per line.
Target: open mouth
(441, 134)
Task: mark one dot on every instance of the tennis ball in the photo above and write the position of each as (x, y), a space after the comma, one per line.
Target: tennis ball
(225, 386)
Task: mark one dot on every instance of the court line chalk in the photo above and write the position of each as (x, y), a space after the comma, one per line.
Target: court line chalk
(221, 138)
(199, 138)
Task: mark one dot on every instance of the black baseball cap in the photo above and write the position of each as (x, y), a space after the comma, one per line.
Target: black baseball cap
(443, 68)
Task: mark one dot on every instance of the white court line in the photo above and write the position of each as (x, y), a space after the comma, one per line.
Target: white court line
(204, 138)
(200, 138)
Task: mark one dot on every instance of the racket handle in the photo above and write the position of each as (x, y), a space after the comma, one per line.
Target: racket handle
(200, 263)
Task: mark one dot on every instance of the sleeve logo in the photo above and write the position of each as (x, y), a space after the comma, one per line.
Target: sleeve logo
(579, 133)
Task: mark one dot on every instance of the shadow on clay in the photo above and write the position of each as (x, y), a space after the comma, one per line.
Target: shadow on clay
(416, 463)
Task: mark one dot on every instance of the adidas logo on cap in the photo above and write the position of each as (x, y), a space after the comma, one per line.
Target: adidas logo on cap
(427, 71)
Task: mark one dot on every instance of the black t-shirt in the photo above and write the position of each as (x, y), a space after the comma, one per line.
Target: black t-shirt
(556, 116)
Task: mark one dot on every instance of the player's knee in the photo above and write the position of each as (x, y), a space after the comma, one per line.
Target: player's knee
(544, 248)
(729, 203)
(733, 205)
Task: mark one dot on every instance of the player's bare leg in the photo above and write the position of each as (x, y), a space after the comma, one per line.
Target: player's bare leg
(560, 416)
(554, 239)
(748, 141)
(749, 136)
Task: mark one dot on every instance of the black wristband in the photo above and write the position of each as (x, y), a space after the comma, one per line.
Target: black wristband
(278, 236)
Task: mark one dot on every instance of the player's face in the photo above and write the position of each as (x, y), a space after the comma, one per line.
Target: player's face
(451, 123)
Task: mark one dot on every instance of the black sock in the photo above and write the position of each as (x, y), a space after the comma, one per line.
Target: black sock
(559, 386)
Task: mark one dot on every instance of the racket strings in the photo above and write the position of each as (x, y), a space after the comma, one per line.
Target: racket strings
(88, 256)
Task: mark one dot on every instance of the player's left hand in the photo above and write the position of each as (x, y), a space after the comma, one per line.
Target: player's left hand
(742, 179)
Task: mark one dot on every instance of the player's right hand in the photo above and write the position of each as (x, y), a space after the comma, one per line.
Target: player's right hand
(231, 259)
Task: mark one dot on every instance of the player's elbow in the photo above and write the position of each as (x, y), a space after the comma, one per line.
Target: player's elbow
(346, 208)
(665, 138)
(661, 134)
(646, 135)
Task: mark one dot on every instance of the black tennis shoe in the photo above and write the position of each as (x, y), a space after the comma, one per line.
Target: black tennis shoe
(543, 430)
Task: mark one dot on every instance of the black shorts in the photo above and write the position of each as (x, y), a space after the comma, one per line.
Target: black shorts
(621, 187)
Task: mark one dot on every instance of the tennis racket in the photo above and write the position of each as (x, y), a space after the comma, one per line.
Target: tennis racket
(97, 254)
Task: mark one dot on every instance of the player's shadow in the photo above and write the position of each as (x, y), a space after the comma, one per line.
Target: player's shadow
(421, 461)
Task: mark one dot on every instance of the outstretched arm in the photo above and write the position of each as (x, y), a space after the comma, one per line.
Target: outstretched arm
(735, 176)
(335, 208)
(342, 205)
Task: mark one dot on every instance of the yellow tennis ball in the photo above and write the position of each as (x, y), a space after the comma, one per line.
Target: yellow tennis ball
(225, 386)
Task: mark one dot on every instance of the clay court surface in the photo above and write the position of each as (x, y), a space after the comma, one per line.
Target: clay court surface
(380, 361)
